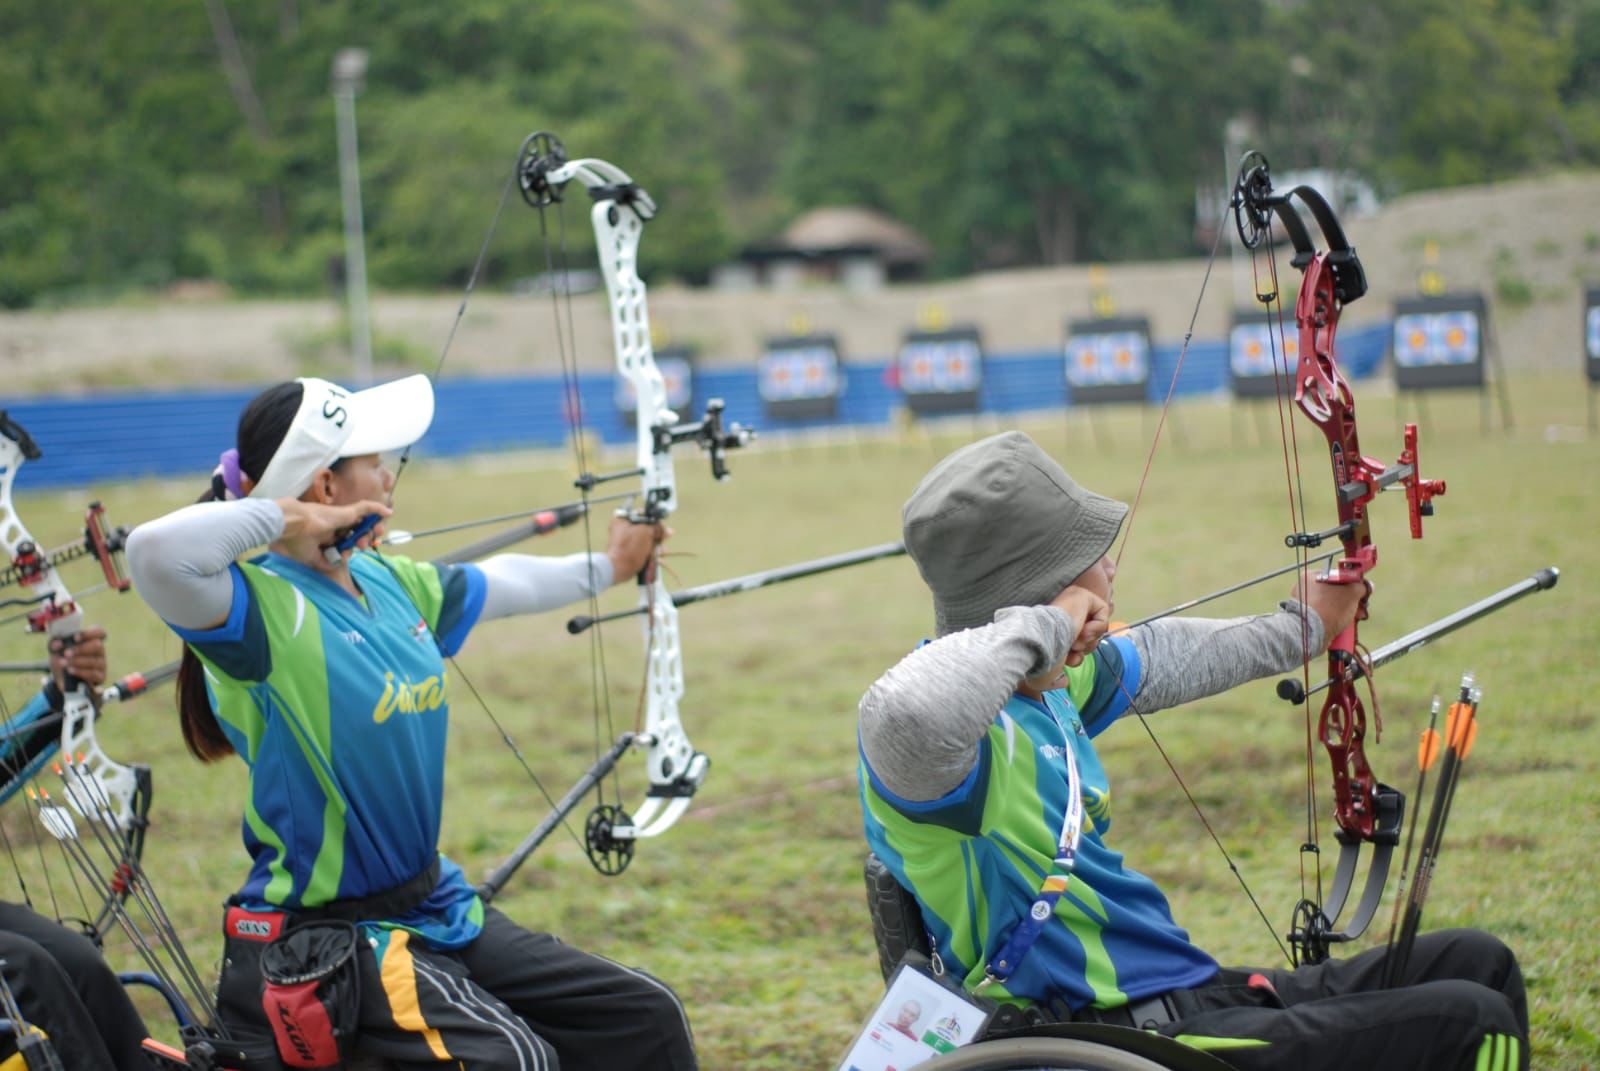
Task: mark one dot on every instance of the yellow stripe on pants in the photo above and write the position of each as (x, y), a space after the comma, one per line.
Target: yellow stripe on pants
(400, 984)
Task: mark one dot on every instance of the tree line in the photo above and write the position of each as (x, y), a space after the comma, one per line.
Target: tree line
(145, 143)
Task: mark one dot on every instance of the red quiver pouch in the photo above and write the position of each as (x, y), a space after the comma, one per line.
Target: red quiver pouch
(312, 993)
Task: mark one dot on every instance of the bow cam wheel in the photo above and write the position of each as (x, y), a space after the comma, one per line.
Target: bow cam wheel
(542, 153)
(609, 853)
(1251, 213)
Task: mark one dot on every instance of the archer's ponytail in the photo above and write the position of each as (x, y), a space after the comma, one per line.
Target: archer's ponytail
(201, 733)
(262, 426)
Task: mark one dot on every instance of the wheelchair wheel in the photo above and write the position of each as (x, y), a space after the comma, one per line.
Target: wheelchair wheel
(1045, 1054)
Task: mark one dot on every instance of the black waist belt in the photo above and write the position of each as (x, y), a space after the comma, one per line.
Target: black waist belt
(388, 904)
(1160, 1009)
(1146, 1014)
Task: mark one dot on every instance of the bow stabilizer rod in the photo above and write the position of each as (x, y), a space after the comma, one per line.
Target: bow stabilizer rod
(1293, 691)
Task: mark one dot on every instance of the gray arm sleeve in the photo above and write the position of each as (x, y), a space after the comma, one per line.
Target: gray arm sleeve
(524, 584)
(1184, 659)
(922, 720)
(180, 562)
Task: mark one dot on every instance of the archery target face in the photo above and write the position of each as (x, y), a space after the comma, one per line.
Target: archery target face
(1251, 347)
(677, 375)
(1110, 358)
(802, 372)
(1426, 339)
(940, 366)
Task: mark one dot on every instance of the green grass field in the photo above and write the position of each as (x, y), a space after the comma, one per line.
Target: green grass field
(753, 907)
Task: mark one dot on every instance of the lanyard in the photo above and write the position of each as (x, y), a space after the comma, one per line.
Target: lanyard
(1006, 961)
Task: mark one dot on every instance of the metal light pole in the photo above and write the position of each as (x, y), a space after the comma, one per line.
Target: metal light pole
(349, 70)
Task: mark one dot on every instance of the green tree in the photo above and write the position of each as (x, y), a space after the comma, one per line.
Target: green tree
(1474, 92)
(1029, 133)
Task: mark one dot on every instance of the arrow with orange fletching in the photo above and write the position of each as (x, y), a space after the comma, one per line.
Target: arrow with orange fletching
(1460, 734)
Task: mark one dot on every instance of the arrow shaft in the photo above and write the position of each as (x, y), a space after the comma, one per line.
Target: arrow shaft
(717, 589)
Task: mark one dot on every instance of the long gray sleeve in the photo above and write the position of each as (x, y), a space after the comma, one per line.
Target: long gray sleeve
(179, 563)
(921, 721)
(1185, 659)
(524, 584)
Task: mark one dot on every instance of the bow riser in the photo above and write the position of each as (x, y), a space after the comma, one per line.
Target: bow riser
(618, 215)
(1323, 395)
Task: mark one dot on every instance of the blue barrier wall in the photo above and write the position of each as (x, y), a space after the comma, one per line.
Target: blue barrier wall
(172, 433)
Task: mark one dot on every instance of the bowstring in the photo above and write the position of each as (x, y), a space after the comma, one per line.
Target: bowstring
(1288, 435)
(556, 269)
(455, 664)
(1172, 387)
(1127, 534)
(14, 765)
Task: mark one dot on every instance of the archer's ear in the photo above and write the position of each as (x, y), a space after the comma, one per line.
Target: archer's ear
(324, 488)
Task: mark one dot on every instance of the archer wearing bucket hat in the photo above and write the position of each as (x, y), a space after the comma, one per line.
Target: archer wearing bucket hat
(984, 796)
(323, 669)
(998, 524)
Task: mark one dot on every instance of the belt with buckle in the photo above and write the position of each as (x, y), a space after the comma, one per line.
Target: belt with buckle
(1146, 1014)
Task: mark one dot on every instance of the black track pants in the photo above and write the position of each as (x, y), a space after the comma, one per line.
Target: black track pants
(512, 1000)
(65, 988)
(1461, 1005)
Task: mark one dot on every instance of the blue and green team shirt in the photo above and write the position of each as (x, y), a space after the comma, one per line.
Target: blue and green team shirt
(975, 858)
(339, 708)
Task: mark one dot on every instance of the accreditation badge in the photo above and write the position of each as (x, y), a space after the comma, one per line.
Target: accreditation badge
(920, 1016)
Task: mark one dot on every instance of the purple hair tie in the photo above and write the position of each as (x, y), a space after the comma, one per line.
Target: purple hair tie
(228, 468)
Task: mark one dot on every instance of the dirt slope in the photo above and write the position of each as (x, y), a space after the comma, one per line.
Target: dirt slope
(1530, 246)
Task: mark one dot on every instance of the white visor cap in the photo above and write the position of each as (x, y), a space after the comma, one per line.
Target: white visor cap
(332, 423)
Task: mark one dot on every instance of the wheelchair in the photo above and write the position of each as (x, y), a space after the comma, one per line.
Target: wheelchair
(897, 928)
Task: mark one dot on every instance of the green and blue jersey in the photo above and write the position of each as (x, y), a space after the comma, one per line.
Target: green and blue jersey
(975, 858)
(338, 704)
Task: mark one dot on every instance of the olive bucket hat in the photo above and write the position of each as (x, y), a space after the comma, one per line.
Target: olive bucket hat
(999, 523)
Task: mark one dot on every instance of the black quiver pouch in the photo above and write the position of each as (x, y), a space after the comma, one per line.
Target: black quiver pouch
(312, 993)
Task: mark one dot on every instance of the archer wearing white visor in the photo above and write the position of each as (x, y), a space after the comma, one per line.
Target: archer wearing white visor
(324, 671)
